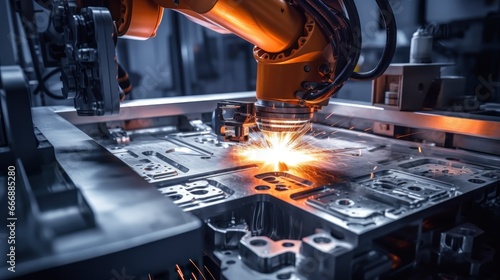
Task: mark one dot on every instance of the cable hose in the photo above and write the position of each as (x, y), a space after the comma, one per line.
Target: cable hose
(324, 15)
(317, 9)
(390, 45)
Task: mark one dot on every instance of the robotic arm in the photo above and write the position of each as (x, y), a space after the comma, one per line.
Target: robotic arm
(305, 50)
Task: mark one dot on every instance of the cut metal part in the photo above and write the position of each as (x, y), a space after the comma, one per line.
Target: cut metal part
(399, 188)
(283, 181)
(196, 194)
(433, 168)
(266, 255)
(347, 202)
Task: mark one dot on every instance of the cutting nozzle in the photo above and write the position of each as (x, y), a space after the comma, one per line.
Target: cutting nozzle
(282, 117)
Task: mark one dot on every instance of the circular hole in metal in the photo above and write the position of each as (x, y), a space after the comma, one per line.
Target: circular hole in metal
(284, 275)
(288, 244)
(258, 242)
(262, 188)
(322, 240)
(415, 188)
(205, 157)
(199, 192)
(477, 181)
(227, 252)
(345, 202)
(231, 262)
(453, 159)
(269, 179)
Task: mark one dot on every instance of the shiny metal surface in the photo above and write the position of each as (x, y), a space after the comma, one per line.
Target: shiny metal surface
(356, 197)
(466, 124)
(158, 107)
(339, 215)
(282, 117)
(128, 214)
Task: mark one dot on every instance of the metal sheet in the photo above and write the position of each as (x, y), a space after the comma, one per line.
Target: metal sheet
(131, 217)
(366, 188)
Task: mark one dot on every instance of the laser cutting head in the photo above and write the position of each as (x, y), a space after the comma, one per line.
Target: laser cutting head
(233, 119)
(281, 117)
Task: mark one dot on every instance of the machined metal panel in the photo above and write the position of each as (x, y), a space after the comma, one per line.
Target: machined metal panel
(131, 223)
(339, 213)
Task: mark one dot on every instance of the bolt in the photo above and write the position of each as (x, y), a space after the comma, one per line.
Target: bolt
(324, 69)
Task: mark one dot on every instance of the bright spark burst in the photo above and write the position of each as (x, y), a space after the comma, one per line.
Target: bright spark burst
(284, 151)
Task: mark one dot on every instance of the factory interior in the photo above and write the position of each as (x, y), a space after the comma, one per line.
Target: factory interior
(250, 139)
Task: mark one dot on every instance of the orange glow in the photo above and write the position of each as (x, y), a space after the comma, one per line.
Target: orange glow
(284, 151)
(396, 261)
(179, 272)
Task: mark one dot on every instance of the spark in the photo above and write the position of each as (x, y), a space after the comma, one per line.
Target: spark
(338, 122)
(410, 134)
(194, 276)
(149, 277)
(197, 268)
(283, 151)
(319, 133)
(420, 149)
(179, 272)
(372, 175)
(375, 168)
(368, 129)
(208, 270)
(329, 116)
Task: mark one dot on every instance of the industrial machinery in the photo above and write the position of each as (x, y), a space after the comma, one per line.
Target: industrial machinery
(117, 190)
(305, 51)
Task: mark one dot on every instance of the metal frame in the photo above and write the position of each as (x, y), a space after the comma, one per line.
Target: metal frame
(459, 123)
(158, 107)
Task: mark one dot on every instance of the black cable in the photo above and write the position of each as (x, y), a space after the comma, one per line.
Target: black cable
(348, 35)
(328, 21)
(390, 45)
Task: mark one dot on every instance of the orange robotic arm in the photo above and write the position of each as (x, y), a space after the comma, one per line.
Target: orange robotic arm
(305, 49)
